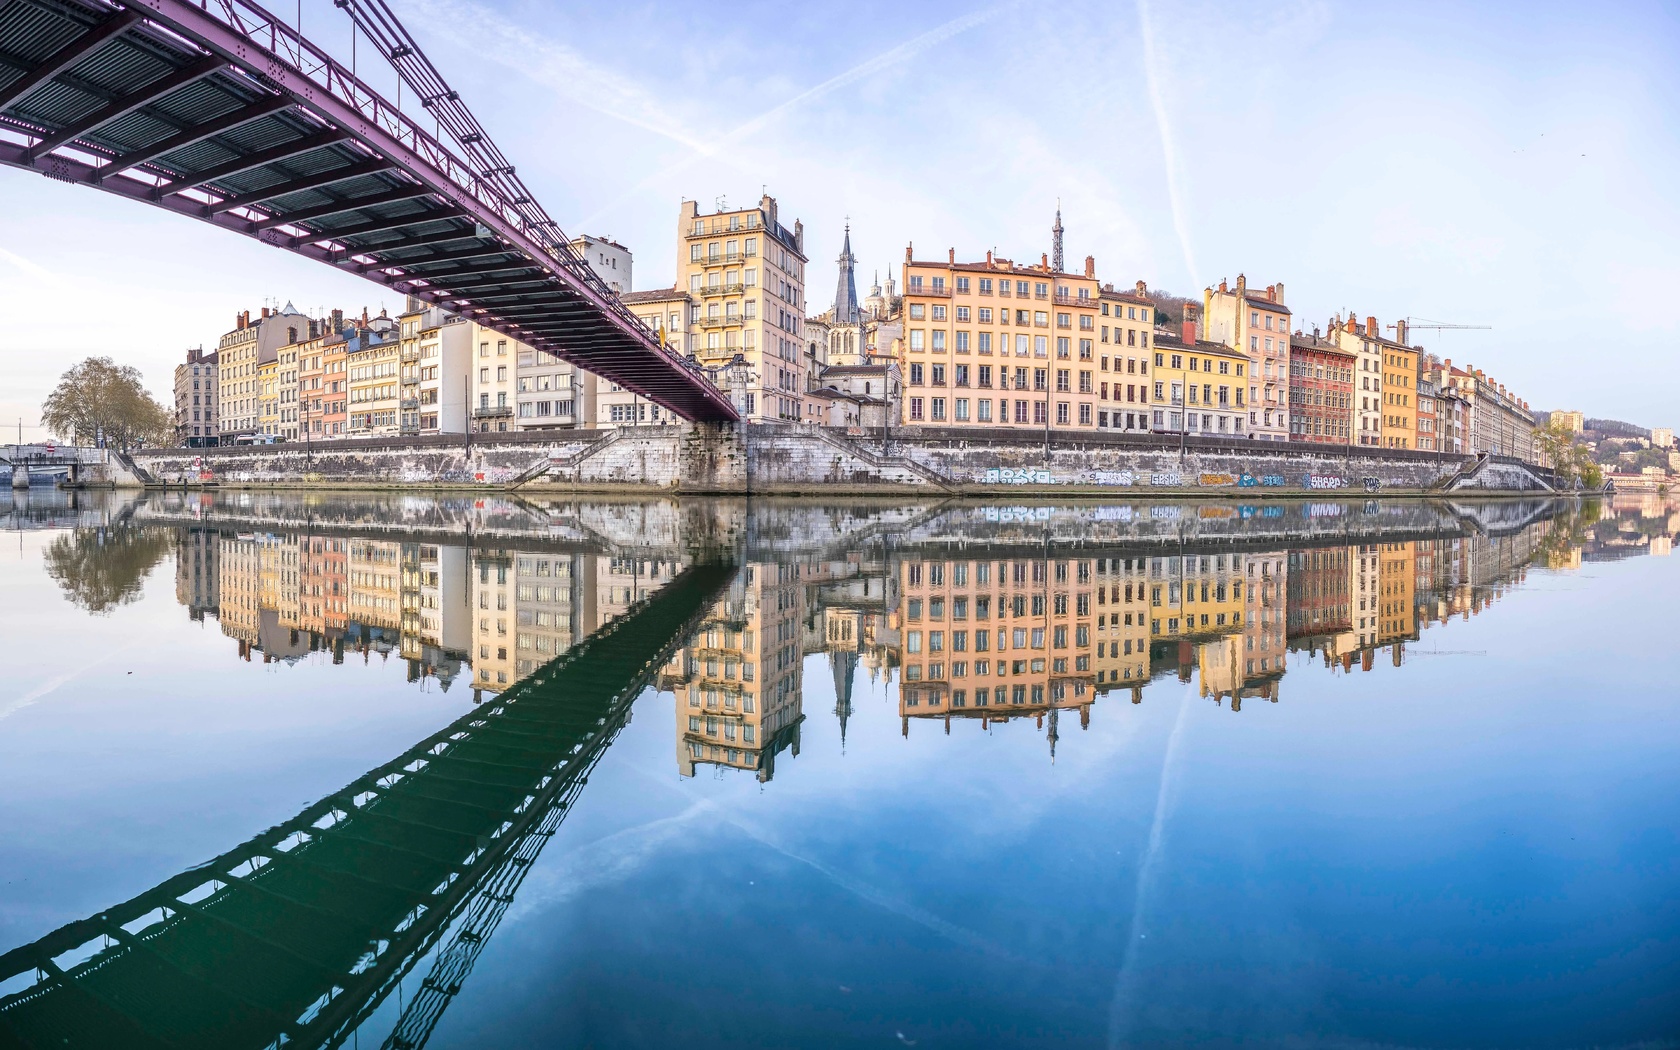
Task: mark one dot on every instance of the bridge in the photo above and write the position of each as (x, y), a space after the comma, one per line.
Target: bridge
(223, 112)
(297, 936)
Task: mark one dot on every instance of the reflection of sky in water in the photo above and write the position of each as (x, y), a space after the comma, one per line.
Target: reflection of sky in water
(1469, 850)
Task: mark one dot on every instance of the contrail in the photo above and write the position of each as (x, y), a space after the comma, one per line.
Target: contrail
(884, 60)
(53, 684)
(26, 266)
(1169, 151)
(1123, 1010)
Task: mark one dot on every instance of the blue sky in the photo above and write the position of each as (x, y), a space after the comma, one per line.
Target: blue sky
(1505, 165)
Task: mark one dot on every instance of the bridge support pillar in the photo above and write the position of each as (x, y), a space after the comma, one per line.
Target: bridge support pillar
(20, 475)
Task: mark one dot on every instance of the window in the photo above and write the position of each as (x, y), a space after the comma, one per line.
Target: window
(916, 374)
(915, 408)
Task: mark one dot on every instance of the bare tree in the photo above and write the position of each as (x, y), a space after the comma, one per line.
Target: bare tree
(99, 397)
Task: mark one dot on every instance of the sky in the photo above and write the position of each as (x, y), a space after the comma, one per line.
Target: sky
(1497, 164)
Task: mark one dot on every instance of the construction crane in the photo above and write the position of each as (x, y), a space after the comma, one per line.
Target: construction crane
(1437, 326)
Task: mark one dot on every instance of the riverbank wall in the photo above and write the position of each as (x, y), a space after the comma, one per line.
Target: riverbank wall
(792, 460)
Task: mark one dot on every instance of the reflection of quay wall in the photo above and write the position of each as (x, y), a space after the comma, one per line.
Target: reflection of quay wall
(768, 458)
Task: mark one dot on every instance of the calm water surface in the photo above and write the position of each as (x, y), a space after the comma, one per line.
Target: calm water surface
(395, 771)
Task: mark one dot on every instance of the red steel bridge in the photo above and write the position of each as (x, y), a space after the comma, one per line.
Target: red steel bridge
(221, 111)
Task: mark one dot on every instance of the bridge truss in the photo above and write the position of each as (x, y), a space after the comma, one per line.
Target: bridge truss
(220, 111)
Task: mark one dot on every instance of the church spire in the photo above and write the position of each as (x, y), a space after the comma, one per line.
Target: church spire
(845, 295)
(1056, 239)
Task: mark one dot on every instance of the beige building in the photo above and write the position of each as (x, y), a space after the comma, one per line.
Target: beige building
(1576, 423)
(493, 374)
(1367, 348)
(1661, 437)
(1124, 386)
(610, 260)
(373, 370)
(196, 392)
(1257, 323)
(1500, 422)
(240, 354)
(745, 272)
(995, 343)
(666, 313)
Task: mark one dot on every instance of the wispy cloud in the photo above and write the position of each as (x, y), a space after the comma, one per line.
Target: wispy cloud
(1169, 148)
(27, 266)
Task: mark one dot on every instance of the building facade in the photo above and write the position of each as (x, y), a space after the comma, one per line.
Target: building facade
(1366, 347)
(1125, 328)
(1200, 386)
(1400, 377)
(746, 274)
(196, 393)
(1025, 333)
(1256, 323)
(1320, 390)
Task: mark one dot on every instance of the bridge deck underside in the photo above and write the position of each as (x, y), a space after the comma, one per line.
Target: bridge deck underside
(289, 921)
(91, 93)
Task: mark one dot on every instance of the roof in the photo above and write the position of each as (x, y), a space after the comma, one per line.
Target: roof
(996, 266)
(655, 295)
(854, 370)
(1126, 297)
(1268, 304)
(1318, 343)
(1202, 346)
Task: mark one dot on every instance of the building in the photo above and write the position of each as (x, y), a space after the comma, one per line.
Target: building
(268, 397)
(373, 372)
(745, 272)
(850, 352)
(1366, 346)
(493, 380)
(437, 361)
(666, 313)
(1125, 329)
(1399, 393)
(1500, 423)
(1576, 422)
(609, 259)
(322, 382)
(1662, 437)
(1028, 333)
(1199, 386)
(1320, 390)
(1257, 324)
(240, 353)
(196, 393)
(1428, 425)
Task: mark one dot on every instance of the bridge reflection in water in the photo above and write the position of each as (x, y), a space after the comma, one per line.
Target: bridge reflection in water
(297, 936)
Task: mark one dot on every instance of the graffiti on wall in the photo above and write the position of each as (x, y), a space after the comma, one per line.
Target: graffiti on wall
(1325, 481)
(1217, 479)
(1017, 476)
(1113, 477)
(1249, 481)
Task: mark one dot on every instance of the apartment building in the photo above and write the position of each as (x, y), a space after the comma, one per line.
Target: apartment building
(268, 397)
(323, 384)
(436, 359)
(746, 274)
(666, 312)
(610, 260)
(1026, 333)
(196, 393)
(287, 388)
(493, 378)
(1200, 387)
(240, 354)
(1125, 328)
(1500, 423)
(1400, 378)
(1365, 343)
(1321, 394)
(373, 371)
(1257, 323)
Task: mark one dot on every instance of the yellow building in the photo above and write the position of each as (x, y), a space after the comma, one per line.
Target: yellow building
(373, 365)
(268, 397)
(1255, 323)
(1200, 387)
(1122, 626)
(1125, 330)
(745, 273)
(995, 343)
(995, 640)
(1396, 590)
(1196, 596)
(1399, 393)
(738, 683)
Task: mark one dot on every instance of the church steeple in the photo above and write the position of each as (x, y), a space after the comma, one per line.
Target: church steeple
(1056, 239)
(845, 294)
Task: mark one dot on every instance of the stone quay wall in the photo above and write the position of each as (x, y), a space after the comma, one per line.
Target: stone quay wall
(791, 459)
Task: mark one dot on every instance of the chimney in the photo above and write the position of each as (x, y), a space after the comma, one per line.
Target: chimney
(265, 313)
(1044, 261)
(1279, 297)
(908, 248)
(1143, 289)
(1400, 332)
(951, 257)
(337, 321)
(239, 320)
(1091, 266)
(1271, 292)
(364, 317)
(1222, 286)
(1189, 324)
(988, 257)
(1242, 286)
(1371, 329)
(1352, 325)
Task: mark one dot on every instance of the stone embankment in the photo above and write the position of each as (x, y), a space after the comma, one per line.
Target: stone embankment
(773, 459)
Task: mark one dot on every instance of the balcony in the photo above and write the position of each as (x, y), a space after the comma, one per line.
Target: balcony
(711, 290)
(410, 380)
(411, 404)
(1084, 303)
(726, 321)
(928, 292)
(721, 232)
(493, 412)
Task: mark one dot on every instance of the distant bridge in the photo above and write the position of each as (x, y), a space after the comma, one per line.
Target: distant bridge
(296, 937)
(222, 112)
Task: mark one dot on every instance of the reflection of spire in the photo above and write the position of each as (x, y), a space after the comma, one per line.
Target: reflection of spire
(1055, 713)
(843, 665)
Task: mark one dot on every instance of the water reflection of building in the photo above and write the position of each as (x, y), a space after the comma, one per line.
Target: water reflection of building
(197, 572)
(436, 594)
(996, 640)
(1122, 627)
(737, 684)
(493, 667)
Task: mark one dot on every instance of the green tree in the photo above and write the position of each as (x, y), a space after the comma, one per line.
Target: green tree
(101, 569)
(100, 397)
(1570, 459)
